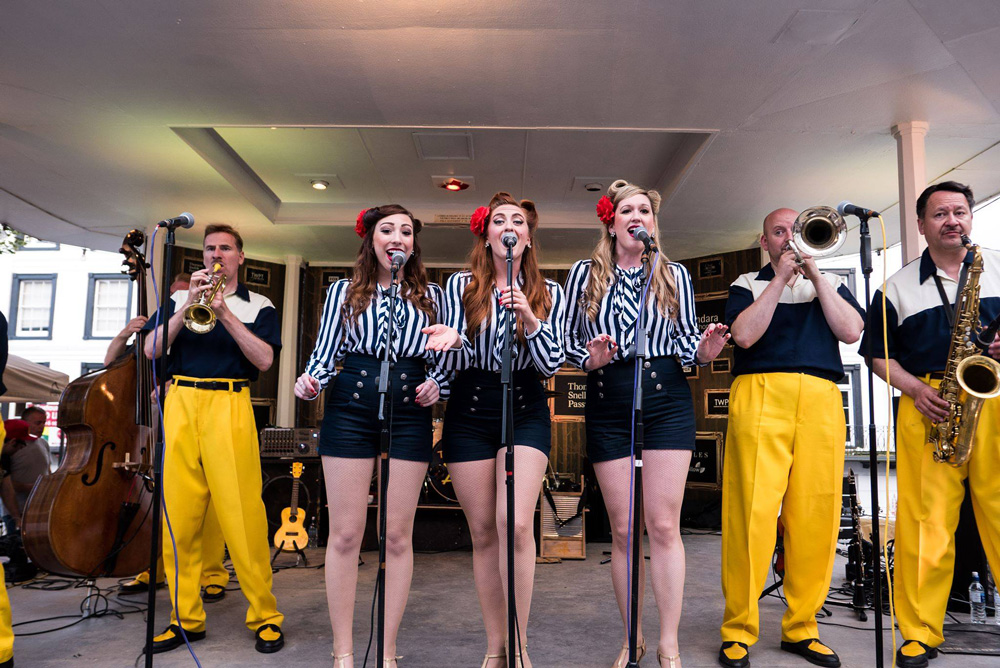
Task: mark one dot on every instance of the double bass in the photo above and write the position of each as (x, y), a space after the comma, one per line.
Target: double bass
(91, 516)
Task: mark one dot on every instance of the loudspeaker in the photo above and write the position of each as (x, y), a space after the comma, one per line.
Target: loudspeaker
(277, 493)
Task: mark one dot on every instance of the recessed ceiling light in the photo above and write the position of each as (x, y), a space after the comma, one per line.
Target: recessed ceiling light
(454, 185)
(319, 184)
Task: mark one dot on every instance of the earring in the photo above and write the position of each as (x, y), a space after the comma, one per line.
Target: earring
(487, 245)
(529, 245)
(612, 234)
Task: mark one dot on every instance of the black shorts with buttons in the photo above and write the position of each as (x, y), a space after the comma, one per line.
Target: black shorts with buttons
(473, 420)
(667, 409)
(350, 420)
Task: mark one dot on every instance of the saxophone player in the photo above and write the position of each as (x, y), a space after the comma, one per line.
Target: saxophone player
(919, 313)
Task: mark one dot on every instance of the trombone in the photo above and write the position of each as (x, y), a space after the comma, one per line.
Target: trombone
(199, 316)
(818, 231)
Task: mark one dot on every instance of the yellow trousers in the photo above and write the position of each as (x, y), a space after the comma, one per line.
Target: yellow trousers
(784, 450)
(930, 497)
(213, 553)
(212, 454)
(6, 630)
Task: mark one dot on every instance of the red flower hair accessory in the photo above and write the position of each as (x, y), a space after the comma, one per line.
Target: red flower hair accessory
(606, 210)
(478, 221)
(360, 226)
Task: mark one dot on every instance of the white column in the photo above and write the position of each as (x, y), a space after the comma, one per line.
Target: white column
(288, 360)
(912, 160)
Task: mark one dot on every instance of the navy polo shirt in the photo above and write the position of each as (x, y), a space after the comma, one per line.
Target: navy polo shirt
(216, 354)
(798, 339)
(916, 322)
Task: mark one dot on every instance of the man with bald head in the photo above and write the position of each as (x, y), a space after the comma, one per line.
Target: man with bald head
(785, 444)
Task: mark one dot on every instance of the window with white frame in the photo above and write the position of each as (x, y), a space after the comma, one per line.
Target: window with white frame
(33, 298)
(108, 300)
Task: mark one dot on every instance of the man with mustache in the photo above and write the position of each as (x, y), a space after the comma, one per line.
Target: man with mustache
(919, 301)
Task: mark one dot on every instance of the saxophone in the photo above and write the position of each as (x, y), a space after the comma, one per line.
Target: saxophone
(970, 378)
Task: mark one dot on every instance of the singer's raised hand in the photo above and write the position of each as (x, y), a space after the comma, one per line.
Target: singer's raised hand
(602, 349)
(713, 340)
(441, 338)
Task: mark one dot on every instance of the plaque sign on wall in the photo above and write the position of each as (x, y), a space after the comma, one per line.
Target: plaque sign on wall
(710, 267)
(568, 396)
(191, 265)
(705, 470)
(258, 276)
(717, 403)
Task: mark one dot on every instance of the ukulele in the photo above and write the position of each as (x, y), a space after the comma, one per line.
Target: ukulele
(292, 536)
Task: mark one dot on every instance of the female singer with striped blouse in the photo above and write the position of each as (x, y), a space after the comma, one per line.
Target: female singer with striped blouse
(478, 303)
(604, 297)
(353, 331)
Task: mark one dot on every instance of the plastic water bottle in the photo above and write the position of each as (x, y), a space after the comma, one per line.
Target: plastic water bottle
(977, 601)
(996, 606)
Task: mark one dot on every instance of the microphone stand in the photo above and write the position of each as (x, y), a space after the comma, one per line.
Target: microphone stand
(157, 500)
(866, 270)
(507, 439)
(637, 551)
(385, 445)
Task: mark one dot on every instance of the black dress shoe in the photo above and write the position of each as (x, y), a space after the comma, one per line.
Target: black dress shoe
(134, 587)
(809, 650)
(274, 641)
(917, 654)
(9, 663)
(734, 655)
(171, 638)
(213, 593)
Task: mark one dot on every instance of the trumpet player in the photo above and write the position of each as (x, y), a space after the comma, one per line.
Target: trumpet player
(785, 445)
(918, 326)
(220, 339)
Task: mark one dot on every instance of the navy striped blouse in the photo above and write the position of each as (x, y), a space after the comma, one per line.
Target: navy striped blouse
(337, 338)
(544, 346)
(666, 337)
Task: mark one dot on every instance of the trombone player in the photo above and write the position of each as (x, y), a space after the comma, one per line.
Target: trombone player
(785, 444)
(919, 313)
(221, 337)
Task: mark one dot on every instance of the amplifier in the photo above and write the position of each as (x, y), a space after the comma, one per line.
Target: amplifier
(280, 442)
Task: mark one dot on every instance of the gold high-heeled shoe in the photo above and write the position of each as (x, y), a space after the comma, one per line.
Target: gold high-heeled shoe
(338, 659)
(391, 662)
(622, 660)
(486, 659)
(670, 659)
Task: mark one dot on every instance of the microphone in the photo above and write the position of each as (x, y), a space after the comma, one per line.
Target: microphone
(509, 239)
(185, 220)
(398, 259)
(641, 234)
(845, 208)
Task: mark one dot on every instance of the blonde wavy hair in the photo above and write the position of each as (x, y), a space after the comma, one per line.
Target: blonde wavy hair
(602, 268)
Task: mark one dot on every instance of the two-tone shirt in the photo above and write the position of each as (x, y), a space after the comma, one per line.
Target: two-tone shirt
(216, 354)
(617, 316)
(916, 324)
(367, 334)
(798, 339)
(544, 347)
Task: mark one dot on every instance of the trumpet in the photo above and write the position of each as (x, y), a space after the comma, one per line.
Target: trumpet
(818, 231)
(199, 316)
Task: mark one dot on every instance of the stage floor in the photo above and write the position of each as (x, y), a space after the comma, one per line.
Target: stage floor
(574, 620)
